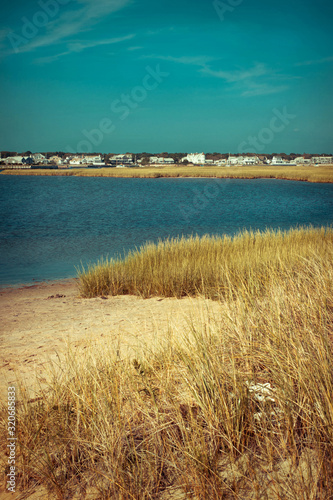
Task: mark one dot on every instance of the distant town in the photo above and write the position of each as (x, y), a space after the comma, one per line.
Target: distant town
(48, 160)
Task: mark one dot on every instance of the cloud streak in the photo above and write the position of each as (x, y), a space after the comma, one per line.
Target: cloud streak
(264, 89)
(249, 82)
(80, 46)
(137, 47)
(236, 75)
(200, 61)
(82, 17)
(316, 61)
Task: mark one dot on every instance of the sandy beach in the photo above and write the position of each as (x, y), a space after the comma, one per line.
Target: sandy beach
(40, 323)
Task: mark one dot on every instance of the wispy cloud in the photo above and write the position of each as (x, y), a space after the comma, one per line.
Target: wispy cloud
(236, 75)
(135, 48)
(191, 61)
(160, 30)
(263, 89)
(50, 59)
(315, 61)
(80, 46)
(82, 17)
(249, 82)
(200, 61)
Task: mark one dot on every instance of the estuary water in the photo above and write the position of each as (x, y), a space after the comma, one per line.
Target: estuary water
(49, 226)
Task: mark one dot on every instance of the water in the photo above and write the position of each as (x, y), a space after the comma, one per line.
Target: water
(49, 225)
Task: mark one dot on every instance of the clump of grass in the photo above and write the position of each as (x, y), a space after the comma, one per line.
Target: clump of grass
(214, 266)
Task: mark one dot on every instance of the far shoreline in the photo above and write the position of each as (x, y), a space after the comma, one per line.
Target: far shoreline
(316, 174)
(4, 288)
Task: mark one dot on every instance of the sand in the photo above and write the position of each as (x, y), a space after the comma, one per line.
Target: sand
(40, 323)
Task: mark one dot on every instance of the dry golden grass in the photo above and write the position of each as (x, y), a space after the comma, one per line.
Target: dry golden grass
(239, 407)
(211, 265)
(323, 173)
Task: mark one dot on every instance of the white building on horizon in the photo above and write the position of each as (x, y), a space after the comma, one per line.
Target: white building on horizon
(278, 160)
(13, 160)
(76, 160)
(195, 158)
(251, 160)
(235, 160)
(300, 160)
(93, 160)
(160, 160)
(220, 162)
(322, 160)
(55, 159)
(127, 157)
(154, 159)
(38, 158)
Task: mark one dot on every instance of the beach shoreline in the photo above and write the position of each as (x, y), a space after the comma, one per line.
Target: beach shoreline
(35, 284)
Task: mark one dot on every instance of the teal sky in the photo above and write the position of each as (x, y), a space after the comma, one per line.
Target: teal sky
(186, 75)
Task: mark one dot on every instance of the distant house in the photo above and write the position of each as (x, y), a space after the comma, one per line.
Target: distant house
(93, 160)
(13, 160)
(160, 160)
(127, 157)
(55, 159)
(154, 159)
(75, 161)
(262, 159)
(300, 160)
(28, 160)
(38, 158)
(221, 162)
(278, 160)
(121, 159)
(251, 160)
(322, 160)
(18, 161)
(195, 158)
(235, 160)
(85, 160)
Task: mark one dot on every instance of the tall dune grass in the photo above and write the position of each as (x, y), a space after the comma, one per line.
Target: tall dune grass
(214, 266)
(238, 407)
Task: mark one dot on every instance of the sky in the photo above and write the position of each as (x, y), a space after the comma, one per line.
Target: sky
(228, 76)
